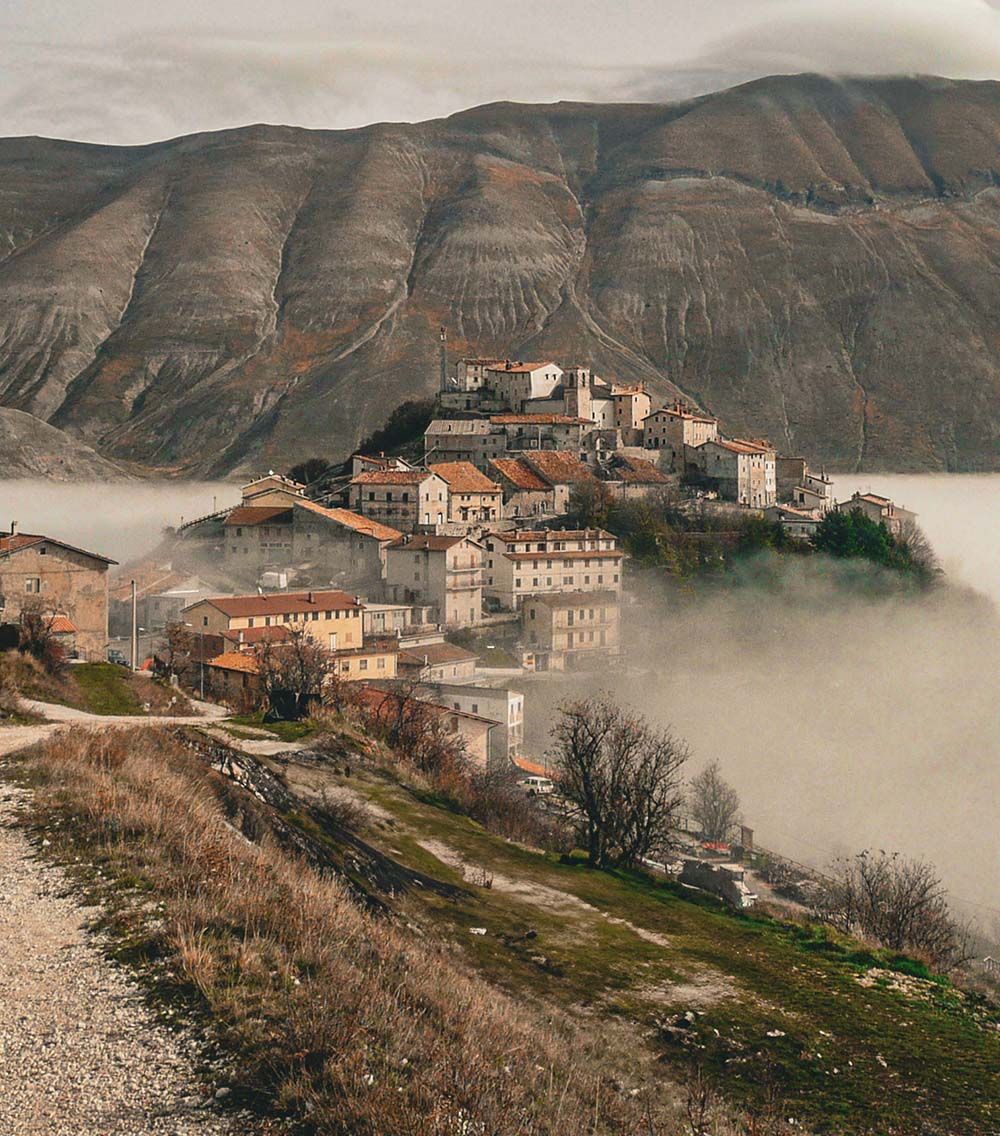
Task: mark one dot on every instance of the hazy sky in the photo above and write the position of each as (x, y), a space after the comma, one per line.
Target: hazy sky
(133, 71)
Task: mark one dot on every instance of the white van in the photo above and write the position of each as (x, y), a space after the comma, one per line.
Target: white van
(537, 786)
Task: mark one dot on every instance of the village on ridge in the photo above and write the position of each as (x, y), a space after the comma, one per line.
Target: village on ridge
(397, 569)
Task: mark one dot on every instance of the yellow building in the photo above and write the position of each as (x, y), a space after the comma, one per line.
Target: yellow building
(567, 632)
(333, 620)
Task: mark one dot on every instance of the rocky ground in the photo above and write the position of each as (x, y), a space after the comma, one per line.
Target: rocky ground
(82, 1052)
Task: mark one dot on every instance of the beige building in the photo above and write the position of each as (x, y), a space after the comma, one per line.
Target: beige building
(473, 729)
(258, 537)
(881, 510)
(61, 579)
(542, 431)
(504, 707)
(331, 619)
(635, 479)
(569, 632)
(378, 658)
(445, 572)
(632, 408)
(348, 546)
(272, 489)
(512, 383)
(672, 429)
(438, 662)
(473, 499)
(743, 471)
(550, 561)
(402, 499)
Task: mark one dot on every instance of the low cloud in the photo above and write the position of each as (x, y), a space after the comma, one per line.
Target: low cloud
(112, 72)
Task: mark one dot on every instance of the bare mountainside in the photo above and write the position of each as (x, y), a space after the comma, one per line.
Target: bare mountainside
(812, 259)
(32, 448)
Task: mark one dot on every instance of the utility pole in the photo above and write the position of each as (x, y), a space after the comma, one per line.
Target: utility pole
(201, 636)
(135, 632)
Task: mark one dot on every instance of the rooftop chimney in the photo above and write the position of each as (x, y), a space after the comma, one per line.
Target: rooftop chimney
(14, 526)
(309, 597)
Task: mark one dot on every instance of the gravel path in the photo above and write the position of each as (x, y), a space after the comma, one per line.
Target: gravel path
(80, 1052)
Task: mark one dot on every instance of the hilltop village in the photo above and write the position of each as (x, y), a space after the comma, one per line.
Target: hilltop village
(445, 578)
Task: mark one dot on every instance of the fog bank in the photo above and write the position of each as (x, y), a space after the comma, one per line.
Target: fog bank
(123, 520)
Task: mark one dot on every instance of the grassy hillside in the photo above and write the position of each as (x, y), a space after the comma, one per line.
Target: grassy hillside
(494, 988)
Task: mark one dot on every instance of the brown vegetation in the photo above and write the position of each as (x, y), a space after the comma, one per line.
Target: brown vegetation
(334, 1017)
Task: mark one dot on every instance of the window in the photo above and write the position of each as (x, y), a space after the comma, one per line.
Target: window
(239, 531)
(333, 640)
(532, 615)
(381, 663)
(250, 621)
(388, 495)
(33, 584)
(363, 665)
(406, 498)
(204, 621)
(371, 496)
(569, 618)
(42, 551)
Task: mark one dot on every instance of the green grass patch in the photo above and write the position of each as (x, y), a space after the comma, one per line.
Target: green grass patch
(284, 731)
(105, 689)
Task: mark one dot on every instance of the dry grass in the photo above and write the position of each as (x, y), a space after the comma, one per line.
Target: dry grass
(340, 1020)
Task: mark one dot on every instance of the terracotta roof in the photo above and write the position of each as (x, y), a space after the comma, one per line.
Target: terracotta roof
(479, 362)
(798, 514)
(391, 477)
(280, 603)
(574, 599)
(62, 625)
(638, 471)
(681, 414)
(14, 542)
(421, 543)
(235, 661)
(534, 768)
(251, 515)
(537, 420)
(362, 525)
(463, 477)
(519, 473)
(558, 467)
(274, 477)
(871, 498)
(737, 446)
(511, 366)
(253, 635)
(434, 654)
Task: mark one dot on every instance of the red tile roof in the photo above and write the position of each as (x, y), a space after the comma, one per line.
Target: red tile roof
(518, 535)
(62, 625)
(681, 414)
(571, 554)
(463, 477)
(421, 543)
(519, 474)
(251, 515)
(536, 420)
(574, 599)
(14, 542)
(738, 446)
(280, 603)
(638, 471)
(364, 526)
(391, 477)
(253, 635)
(535, 769)
(235, 661)
(558, 467)
(511, 366)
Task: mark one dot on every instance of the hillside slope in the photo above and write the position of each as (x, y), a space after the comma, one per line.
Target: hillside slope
(30, 447)
(812, 259)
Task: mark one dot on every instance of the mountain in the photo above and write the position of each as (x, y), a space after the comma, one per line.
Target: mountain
(32, 448)
(813, 259)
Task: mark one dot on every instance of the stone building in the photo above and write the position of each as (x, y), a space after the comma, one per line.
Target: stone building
(406, 500)
(525, 492)
(742, 471)
(61, 580)
(445, 572)
(880, 509)
(572, 631)
(672, 429)
(473, 499)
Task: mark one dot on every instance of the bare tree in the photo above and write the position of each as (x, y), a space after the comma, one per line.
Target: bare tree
(899, 903)
(418, 730)
(714, 803)
(177, 649)
(622, 776)
(292, 673)
(913, 538)
(36, 634)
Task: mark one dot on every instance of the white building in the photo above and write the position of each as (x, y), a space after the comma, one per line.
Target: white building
(536, 562)
(743, 471)
(445, 572)
(401, 499)
(513, 383)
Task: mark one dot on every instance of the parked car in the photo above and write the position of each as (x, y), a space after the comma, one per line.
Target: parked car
(115, 656)
(537, 786)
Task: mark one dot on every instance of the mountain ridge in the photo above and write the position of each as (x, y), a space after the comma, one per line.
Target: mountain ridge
(810, 258)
